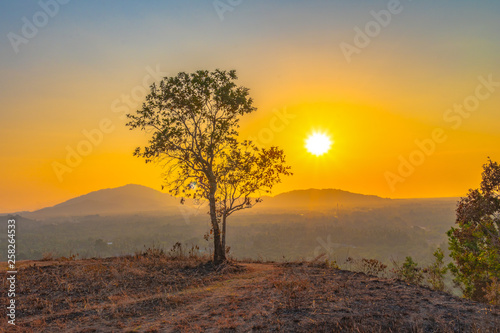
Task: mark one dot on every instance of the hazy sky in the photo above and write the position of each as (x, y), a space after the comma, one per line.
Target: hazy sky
(377, 76)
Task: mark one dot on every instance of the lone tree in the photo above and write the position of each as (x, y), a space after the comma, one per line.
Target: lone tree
(475, 242)
(194, 120)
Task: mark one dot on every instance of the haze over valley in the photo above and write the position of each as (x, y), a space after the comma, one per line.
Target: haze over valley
(295, 225)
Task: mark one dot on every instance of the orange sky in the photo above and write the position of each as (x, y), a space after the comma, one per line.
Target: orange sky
(75, 75)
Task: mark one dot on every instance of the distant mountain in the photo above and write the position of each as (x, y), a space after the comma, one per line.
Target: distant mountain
(121, 200)
(133, 199)
(314, 199)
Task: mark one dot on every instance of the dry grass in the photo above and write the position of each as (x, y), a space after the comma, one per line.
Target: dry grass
(293, 287)
(63, 291)
(162, 292)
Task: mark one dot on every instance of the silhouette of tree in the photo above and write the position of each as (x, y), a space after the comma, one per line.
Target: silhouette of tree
(475, 242)
(194, 120)
(245, 173)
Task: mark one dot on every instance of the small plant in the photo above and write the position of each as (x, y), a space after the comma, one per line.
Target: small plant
(367, 266)
(436, 272)
(72, 257)
(349, 261)
(176, 251)
(154, 252)
(331, 264)
(372, 267)
(409, 272)
(194, 252)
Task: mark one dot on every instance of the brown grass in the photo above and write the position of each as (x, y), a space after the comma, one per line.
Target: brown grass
(159, 292)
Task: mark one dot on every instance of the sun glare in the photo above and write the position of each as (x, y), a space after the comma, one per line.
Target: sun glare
(318, 143)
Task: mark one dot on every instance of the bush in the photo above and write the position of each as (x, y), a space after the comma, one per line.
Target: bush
(372, 267)
(367, 266)
(436, 272)
(409, 272)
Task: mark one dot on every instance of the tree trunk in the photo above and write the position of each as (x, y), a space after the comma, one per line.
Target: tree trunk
(219, 253)
(224, 234)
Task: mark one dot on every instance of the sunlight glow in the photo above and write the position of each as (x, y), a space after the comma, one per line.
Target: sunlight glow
(318, 143)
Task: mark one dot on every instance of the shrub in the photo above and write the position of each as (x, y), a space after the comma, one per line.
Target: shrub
(176, 251)
(436, 272)
(153, 252)
(409, 272)
(367, 266)
(372, 267)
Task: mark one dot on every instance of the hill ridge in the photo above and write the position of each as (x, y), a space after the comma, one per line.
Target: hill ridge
(136, 198)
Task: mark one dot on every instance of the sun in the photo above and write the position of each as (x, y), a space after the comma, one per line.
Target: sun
(318, 143)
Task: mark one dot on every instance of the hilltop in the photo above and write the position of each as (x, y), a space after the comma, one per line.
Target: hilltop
(126, 199)
(152, 292)
(322, 200)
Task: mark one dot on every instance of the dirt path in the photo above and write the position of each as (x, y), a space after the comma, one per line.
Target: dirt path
(226, 305)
